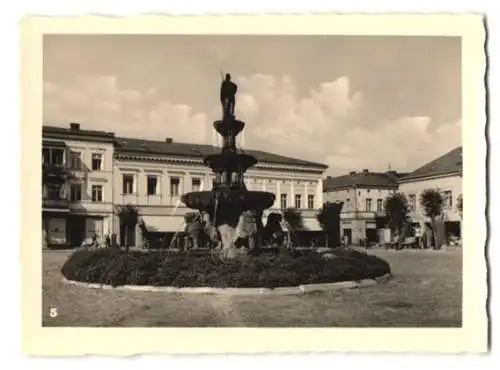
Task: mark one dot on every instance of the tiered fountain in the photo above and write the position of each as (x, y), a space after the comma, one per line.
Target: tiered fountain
(229, 198)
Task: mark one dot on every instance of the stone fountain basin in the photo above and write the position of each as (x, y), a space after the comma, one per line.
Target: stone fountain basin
(230, 161)
(240, 199)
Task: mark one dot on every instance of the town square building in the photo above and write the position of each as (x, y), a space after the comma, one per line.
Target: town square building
(444, 174)
(363, 194)
(107, 171)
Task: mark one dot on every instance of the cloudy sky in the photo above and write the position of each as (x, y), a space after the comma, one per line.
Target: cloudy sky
(350, 102)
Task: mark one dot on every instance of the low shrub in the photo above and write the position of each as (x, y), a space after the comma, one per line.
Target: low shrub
(270, 270)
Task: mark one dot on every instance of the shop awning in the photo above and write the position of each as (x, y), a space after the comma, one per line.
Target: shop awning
(164, 223)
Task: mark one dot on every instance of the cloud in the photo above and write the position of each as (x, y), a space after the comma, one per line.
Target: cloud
(98, 103)
(328, 124)
(332, 126)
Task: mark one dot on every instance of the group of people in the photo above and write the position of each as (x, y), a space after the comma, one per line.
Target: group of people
(96, 242)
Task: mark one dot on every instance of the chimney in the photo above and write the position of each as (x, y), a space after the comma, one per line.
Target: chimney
(169, 140)
(74, 126)
(365, 170)
(352, 173)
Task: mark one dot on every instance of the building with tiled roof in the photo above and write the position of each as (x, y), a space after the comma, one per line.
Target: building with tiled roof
(443, 173)
(111, 171)
(362, 194)
(449, 164)
(168, 147)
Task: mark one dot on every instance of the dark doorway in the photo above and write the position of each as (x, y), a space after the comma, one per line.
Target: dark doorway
(453, 229)
(127, 235)
(348, 234)
(372, 235)
(76, 230)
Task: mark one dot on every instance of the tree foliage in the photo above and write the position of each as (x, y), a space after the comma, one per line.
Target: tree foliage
(329, 219)
(396, 211)
(294, 219)
(328, 216)
(432, 202)
(129, 214)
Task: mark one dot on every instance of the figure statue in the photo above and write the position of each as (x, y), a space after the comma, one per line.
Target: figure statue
(228, 91)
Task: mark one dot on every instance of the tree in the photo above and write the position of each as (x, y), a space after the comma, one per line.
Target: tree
(460, 205)
(293, 218)
(432, 202)
(329, 220)
(129, 216)
(396, 212)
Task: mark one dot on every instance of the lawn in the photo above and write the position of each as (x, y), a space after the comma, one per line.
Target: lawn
(426, 291)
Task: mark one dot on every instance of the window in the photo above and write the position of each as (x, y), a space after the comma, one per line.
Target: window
(76, 192)
(128, 183)
(380, 205)
(298, 199)
(368, 205)
(54, 191)
(174, 186)
(283, 201)
(76, 160)
(153, 185)
(447, 199)
(196, 184)
(310, 201)
(57, 157)
(96, 161)
(412, 200)
(347, 204)
(96, 193)
(46, 156)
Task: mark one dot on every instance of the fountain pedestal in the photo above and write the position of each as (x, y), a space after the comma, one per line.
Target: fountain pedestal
(229, 200)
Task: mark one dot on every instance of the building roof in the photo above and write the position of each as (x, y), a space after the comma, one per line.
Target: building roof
(142, 146)
(132, 145)
(365, 179)
(75, 133)
(448, 164)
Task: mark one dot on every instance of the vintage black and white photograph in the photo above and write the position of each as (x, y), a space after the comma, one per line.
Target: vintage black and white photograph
(253, 181)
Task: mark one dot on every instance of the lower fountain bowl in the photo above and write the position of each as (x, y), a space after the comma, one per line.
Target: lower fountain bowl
(238, 198)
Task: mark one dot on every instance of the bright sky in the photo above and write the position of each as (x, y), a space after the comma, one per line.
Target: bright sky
(351, 102)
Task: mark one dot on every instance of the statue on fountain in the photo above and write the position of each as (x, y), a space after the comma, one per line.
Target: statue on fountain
(228, 91)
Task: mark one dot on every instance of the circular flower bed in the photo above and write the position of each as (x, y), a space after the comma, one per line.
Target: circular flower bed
(268, 270)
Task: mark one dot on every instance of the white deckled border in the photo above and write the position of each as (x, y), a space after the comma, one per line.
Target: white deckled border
(301, 289)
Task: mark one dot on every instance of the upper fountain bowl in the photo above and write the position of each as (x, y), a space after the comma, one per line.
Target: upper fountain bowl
(229, 127)
(240, 199)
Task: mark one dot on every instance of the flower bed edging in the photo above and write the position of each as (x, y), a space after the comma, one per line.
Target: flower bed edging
(301, 289)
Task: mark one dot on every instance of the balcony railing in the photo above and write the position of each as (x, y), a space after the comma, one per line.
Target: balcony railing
(55, 172)
(55, 202)
(362, 214)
